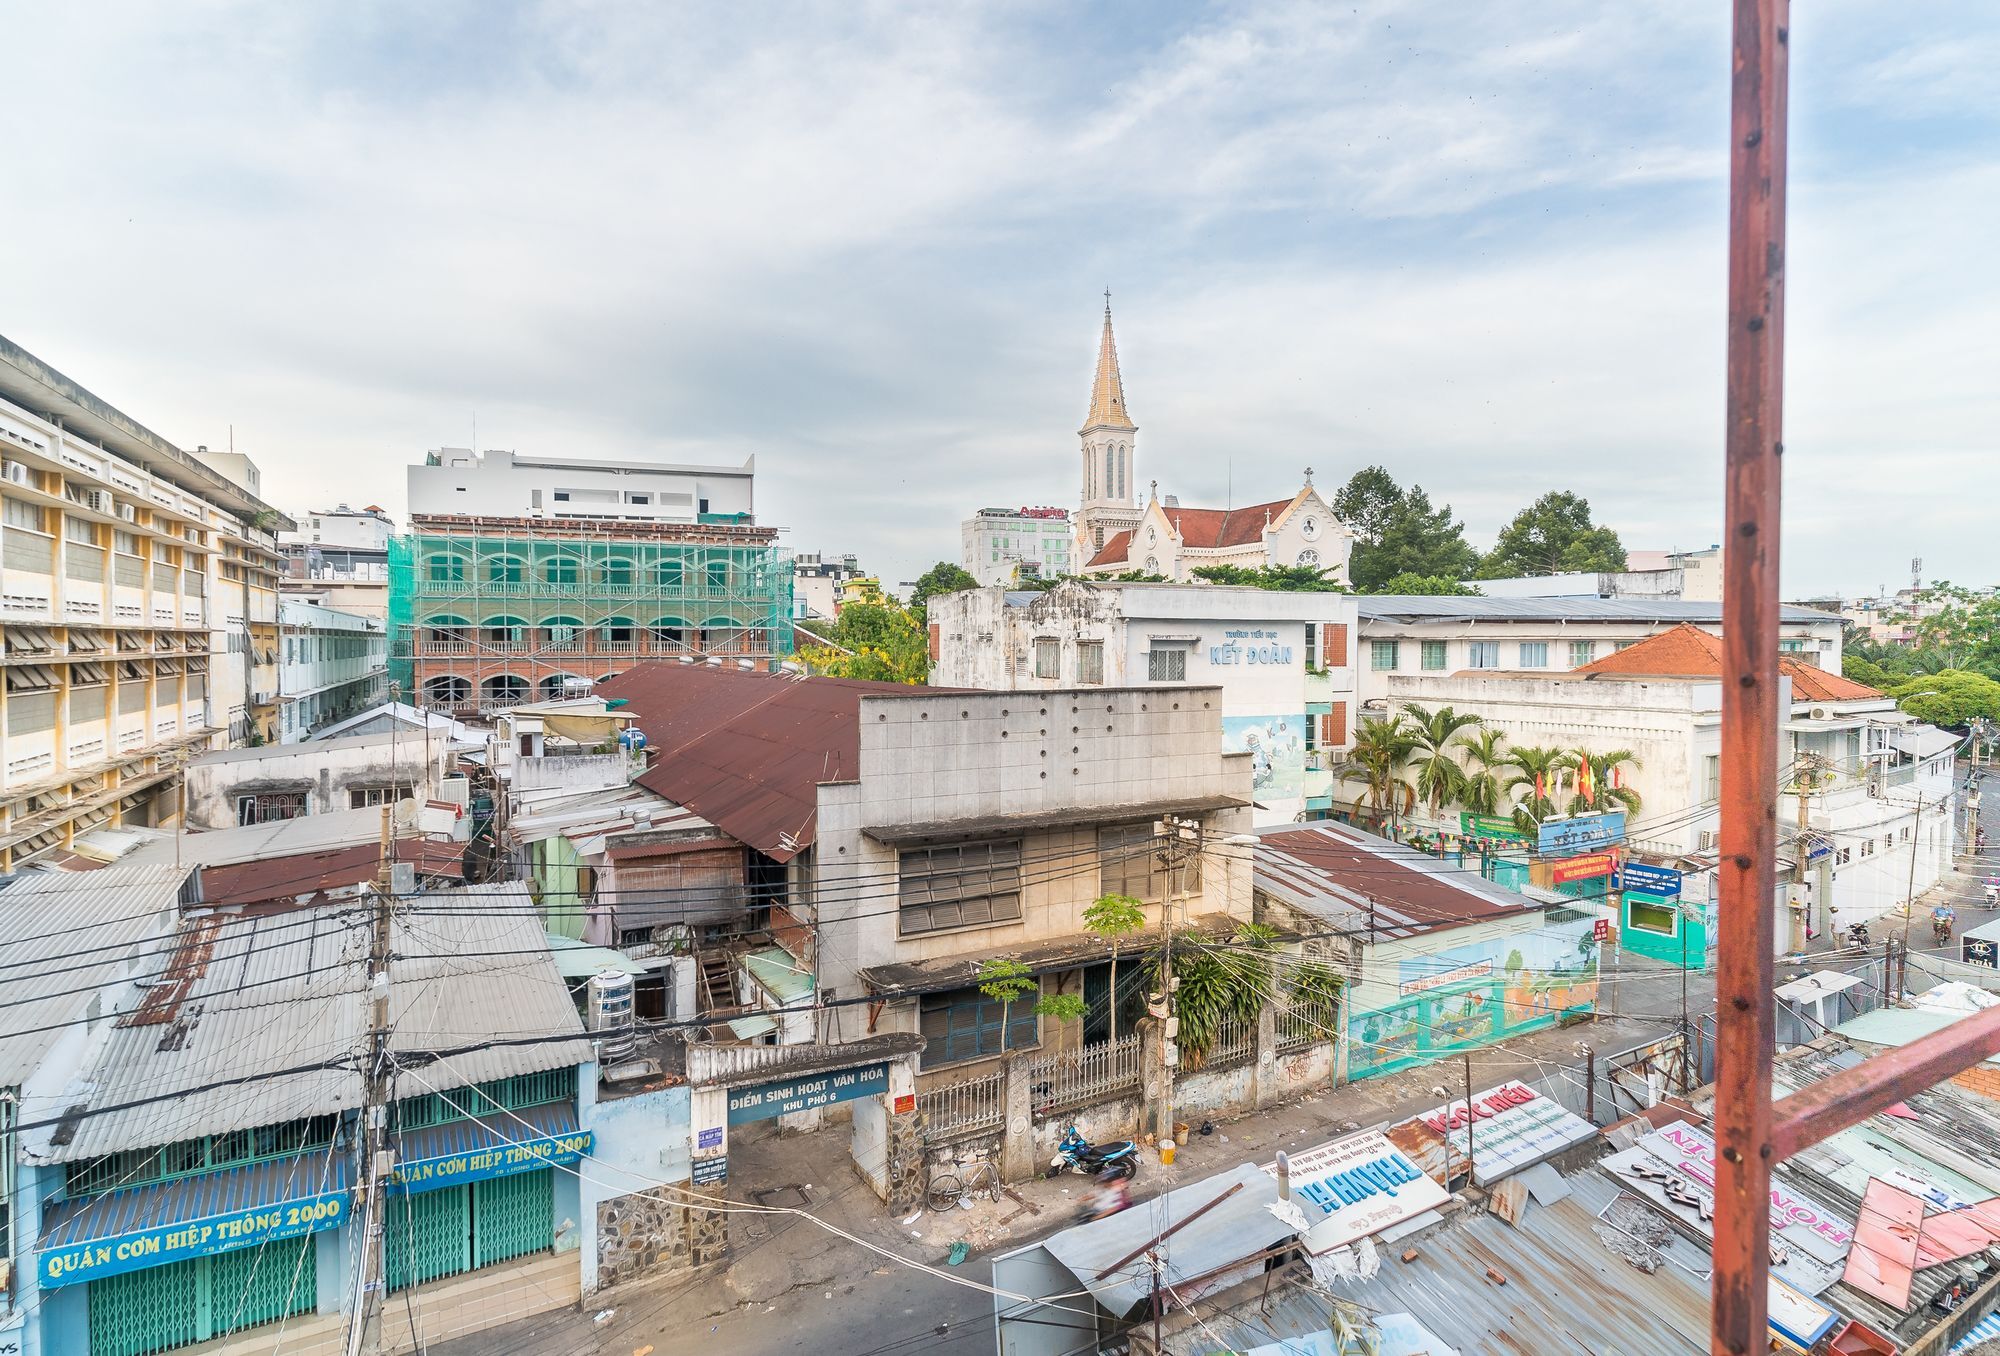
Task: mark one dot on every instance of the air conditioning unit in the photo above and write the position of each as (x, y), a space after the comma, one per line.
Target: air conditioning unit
(100, 501)
(129, 512)
(1818, 712)
(608, 1014)
(15, 471)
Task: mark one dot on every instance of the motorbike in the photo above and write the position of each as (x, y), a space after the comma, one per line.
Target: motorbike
(1077, 1154)
(1941, 929)
(1856, 934)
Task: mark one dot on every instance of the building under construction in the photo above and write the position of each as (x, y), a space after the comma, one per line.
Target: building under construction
(486, 613)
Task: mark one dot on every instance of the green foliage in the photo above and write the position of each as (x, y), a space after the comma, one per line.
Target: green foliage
(1867, 671)
(1965, 630)
(1609, 797)
(1042, 583)
(1484, 789)
(887, 644)
(1530, 762)
(1114, 917)
(1380, 746)
(1004, 980)
(1318, 984)
(943, 577)
(1398, 532)
(1219, 984)
(1553, 535)
(1428, 586)
(1433, 736)
(1064, 1007)
(1283, 578)
(1138, 577)
(1953, 698)
(1516, 962)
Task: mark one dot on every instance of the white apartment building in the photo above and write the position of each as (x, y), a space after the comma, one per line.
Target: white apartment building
(1006, 546)
(339, 558)
(1850, 764)
(113, 543)
(333, 665)
(500, 484)
(817, 582)
(1693, 575)
(1430, 639)
(1283, 662)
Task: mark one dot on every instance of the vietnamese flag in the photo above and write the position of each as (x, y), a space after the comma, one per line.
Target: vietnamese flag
(1586, 782)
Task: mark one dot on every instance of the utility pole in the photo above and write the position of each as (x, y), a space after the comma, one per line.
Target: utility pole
(1910, 888)
(365, 1336)
(1471, 1161)
(1801, 850)
(1181, 842)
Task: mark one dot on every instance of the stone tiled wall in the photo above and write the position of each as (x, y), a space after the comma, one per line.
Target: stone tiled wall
(644, 1235)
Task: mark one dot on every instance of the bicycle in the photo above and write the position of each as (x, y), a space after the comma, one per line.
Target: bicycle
(946, 1189)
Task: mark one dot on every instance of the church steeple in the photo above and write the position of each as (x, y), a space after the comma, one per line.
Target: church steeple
(1107, 393)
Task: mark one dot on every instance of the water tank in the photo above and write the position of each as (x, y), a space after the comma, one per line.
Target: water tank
(608, 1014)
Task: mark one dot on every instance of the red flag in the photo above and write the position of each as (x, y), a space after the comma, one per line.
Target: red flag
(1539, 792)
(1586, 782)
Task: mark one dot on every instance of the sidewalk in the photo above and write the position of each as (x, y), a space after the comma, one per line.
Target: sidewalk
(795, 1285)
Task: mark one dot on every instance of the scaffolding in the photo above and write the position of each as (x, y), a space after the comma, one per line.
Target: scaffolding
(485, 613)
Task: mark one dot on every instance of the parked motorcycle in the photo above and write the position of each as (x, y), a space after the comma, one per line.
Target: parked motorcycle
(1856, 934)
(1077, 1154)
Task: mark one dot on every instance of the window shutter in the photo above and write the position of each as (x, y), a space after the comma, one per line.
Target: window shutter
(1333, 727)
(1333, 643)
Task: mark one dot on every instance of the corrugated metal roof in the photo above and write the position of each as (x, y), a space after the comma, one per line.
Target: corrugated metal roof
(748, 751)
(66, 935)
(284, 838)
(1422, 608)
(285, 991)
(775, 969)
(1357, 881)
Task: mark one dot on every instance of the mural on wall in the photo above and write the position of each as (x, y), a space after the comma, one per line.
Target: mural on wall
(1277, 746)
(1477, 993)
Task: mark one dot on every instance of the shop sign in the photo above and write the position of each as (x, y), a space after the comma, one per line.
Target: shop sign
(1489, 826)
(803, 1094)
(1513, 1127)
(1600, 929)
(1580, 833)
(1250, 647)
(1659, 881)
(499, 1160)
(711, 1170)
(1362, 1184)
(906, 1104)
(711, 1138)
(1797, 1318)
(1591, 866)
(101, 1257)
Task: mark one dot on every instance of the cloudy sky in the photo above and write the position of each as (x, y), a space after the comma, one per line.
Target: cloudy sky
(1479, 243)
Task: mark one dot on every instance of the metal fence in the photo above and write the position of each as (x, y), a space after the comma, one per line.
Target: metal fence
(976, 1106)
(1235, 1043)
(1305, 1022)
(1080, 1077)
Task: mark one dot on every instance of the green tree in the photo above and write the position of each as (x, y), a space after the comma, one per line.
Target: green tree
(1064, 1008)
(943, 577)
(1433, 737)
(1965, 627)
(1608, 797)
(1398, 531)
(1005, 981)
(1485, 787)
(1535, 771)
(1115, 917)
(1553, 535)
(880, 642)
(1220, 983)
(1428, 586)
(1867, 671)
(1380, 746)
(1282, 578)
(1953, 698)
(1365, 502)
(1138, 577)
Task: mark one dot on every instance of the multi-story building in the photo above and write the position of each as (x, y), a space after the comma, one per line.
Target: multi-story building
(521, 579)
(334, 665)
(818, 581)
(339, 558)
(1432, 639)
(1283, 662)
(114, 545)
(1693, 575)
(243, 617)
(1006, 546)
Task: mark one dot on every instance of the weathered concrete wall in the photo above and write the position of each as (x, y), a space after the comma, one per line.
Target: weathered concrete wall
(324, 770)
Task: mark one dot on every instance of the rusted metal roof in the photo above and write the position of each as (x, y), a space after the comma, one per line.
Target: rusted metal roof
(310, 872)
(1363, 883)
(748, 751)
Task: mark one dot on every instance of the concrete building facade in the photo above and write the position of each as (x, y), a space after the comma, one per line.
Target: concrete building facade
(1283, 662)
(339, 558)
(499, 484)
(333, 665)
(1007, 546)
(233, 787)
(127, 568)
(818, 581)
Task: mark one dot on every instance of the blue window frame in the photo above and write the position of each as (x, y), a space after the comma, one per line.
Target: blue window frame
(965, 1024)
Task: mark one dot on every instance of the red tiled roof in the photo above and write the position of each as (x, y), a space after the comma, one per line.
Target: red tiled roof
(1113, 552)
(1208, 529)
(1687, 651)
(747, 751)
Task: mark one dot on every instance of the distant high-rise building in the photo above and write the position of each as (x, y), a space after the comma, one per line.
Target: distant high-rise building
(1008, 546)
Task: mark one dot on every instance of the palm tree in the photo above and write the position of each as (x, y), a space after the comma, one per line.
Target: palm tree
(1535, 771)
(1608, 797)
(1483, 789)
(1380, 745)
(1433, 735)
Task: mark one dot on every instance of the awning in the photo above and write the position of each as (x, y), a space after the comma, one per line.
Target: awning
(998, 826)
(784, 978)
(581, 960)
(583, 729)
(501, 1145)
(1922, 741)
(148, 1226)
(750, 1028)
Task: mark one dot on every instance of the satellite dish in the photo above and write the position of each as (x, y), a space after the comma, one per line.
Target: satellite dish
(405, 813)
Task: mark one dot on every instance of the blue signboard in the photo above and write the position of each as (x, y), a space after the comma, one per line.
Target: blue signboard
(1649, 880)
(803, 1094)
(96, 1258)
(1580, 833)
(498, 1160)
(711, 1170)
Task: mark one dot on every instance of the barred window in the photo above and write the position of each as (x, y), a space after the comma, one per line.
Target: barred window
(966, 1024)
(1090, 661)
(1581, 652)
(1128, 863)
(958, 886)
(1166, 664)
(1048, 657)
(1433, 655)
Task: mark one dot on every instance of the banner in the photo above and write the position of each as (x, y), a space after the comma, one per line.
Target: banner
(1659, 881)
(1580, 833)
(499, 1160)
(803, 1094)
(97, 1258)
(1591, 866)
(1363, 1183)
(1512, 1127)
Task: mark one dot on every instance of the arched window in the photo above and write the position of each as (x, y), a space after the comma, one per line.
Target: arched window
(565, 633)
(721, 635)
(558, 685)
(445, 569)
(503, 632)
(619, 632)
(447, 690)
(446, 635)
(559, 570)
(1109, 481)
(671, 572)
(504, 570)
(618, 572)
(504, 687)
(1124, 470)
(668, 633)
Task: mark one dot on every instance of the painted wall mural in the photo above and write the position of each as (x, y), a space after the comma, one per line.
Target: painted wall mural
(1277, 746)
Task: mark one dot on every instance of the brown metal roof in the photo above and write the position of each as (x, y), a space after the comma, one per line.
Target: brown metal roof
(748, 751)
(1360, 882)
(310, 872)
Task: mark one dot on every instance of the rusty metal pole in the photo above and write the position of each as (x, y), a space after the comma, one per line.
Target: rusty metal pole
(1747, 871)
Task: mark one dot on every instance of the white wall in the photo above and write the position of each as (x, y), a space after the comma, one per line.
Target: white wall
(993, 545)
(508, 485)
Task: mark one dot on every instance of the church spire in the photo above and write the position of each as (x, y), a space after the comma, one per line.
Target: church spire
(1107, 393)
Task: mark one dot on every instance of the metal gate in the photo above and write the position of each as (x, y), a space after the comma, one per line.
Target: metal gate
(170, 1306)
(453, 1230)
